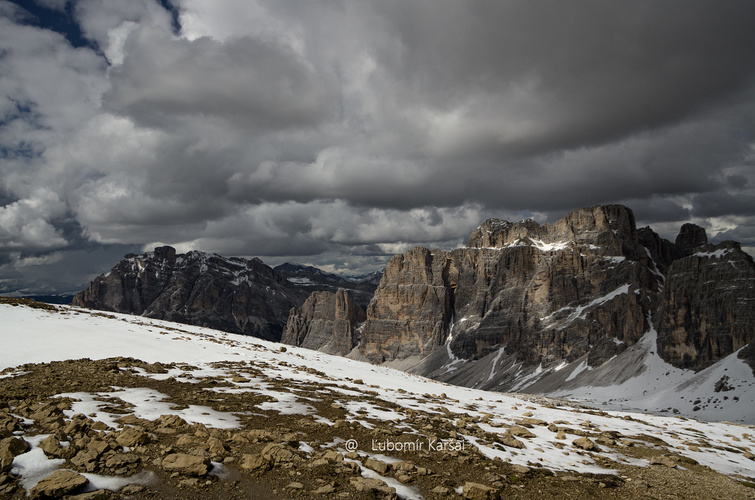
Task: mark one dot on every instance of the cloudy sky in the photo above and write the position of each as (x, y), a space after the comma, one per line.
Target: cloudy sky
(339, 132)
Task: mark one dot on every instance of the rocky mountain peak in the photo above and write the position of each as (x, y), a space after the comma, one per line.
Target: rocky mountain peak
(690, 237)
(585, 289)
(602, 225)
(231, 294)
(165, 253)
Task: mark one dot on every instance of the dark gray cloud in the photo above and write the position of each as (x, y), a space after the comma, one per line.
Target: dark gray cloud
(337, 133)
(258, 84)
(720, 203)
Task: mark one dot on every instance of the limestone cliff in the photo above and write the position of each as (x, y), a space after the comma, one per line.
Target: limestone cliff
(326, 321)
(586, 287)
(708, 305)
(547, 292)
(412, 307)
(235, 295)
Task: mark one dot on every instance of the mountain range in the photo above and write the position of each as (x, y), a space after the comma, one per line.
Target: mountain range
(230, 294)
(571, 308)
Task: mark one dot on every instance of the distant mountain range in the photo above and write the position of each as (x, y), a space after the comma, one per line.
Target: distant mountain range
(231, 294)
(590, 301)
(361, 287)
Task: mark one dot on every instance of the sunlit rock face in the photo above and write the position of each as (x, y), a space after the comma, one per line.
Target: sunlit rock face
(326, 321)
(590, 284)
(547, 292)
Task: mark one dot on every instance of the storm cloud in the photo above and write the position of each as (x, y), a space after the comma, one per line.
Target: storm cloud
(336, 133)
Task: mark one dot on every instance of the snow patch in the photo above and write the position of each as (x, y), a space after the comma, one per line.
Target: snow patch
(717, 254)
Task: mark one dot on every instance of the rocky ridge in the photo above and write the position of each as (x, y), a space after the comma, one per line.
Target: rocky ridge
(548, 293)
(230, 294)
(585, 288)
(360, 288)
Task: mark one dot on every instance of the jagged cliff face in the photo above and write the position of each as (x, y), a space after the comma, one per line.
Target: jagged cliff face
(412, 307)
(326, 321)
(587, 287)
(235, 295)
(548, 292)
(708, 306)
(361, 289)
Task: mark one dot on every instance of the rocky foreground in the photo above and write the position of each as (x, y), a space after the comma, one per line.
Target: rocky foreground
(272, 427)
(281, 456)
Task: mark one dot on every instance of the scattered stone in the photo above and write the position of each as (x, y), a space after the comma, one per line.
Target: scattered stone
(520, 431)
(440, 490)
(97, 447)
(377, 465)
(527, 421)
(170, 424)
(51, 446)
(131, 489)
(512, 442)
(10, 448)
(120, 460)
(664, 460)
(101, 494)
(606, 439)
(585, 444)
(192, 482)
(183, 463)
(215, 447)
(132, 436)
(279, 453)
(295, 486)
(477, 491)
(402, 466)
(367, 485)
(333, 456)
(324, 490)
(254, 462)
(520, 469)
(99, 426)
(85, 460)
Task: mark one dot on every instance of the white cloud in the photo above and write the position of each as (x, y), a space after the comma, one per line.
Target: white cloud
(25, 224)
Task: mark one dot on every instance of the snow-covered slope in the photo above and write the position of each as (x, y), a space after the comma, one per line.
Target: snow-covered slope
(35, 335)
(637, 379)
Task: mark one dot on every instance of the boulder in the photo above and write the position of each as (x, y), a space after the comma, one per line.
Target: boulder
(477, 491)
(132, 436)
(585, 443)
(189, 465)
(59, 483)
(10, 448)
(364, 484)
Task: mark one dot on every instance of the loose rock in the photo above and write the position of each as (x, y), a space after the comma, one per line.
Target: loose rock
(59, 483)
